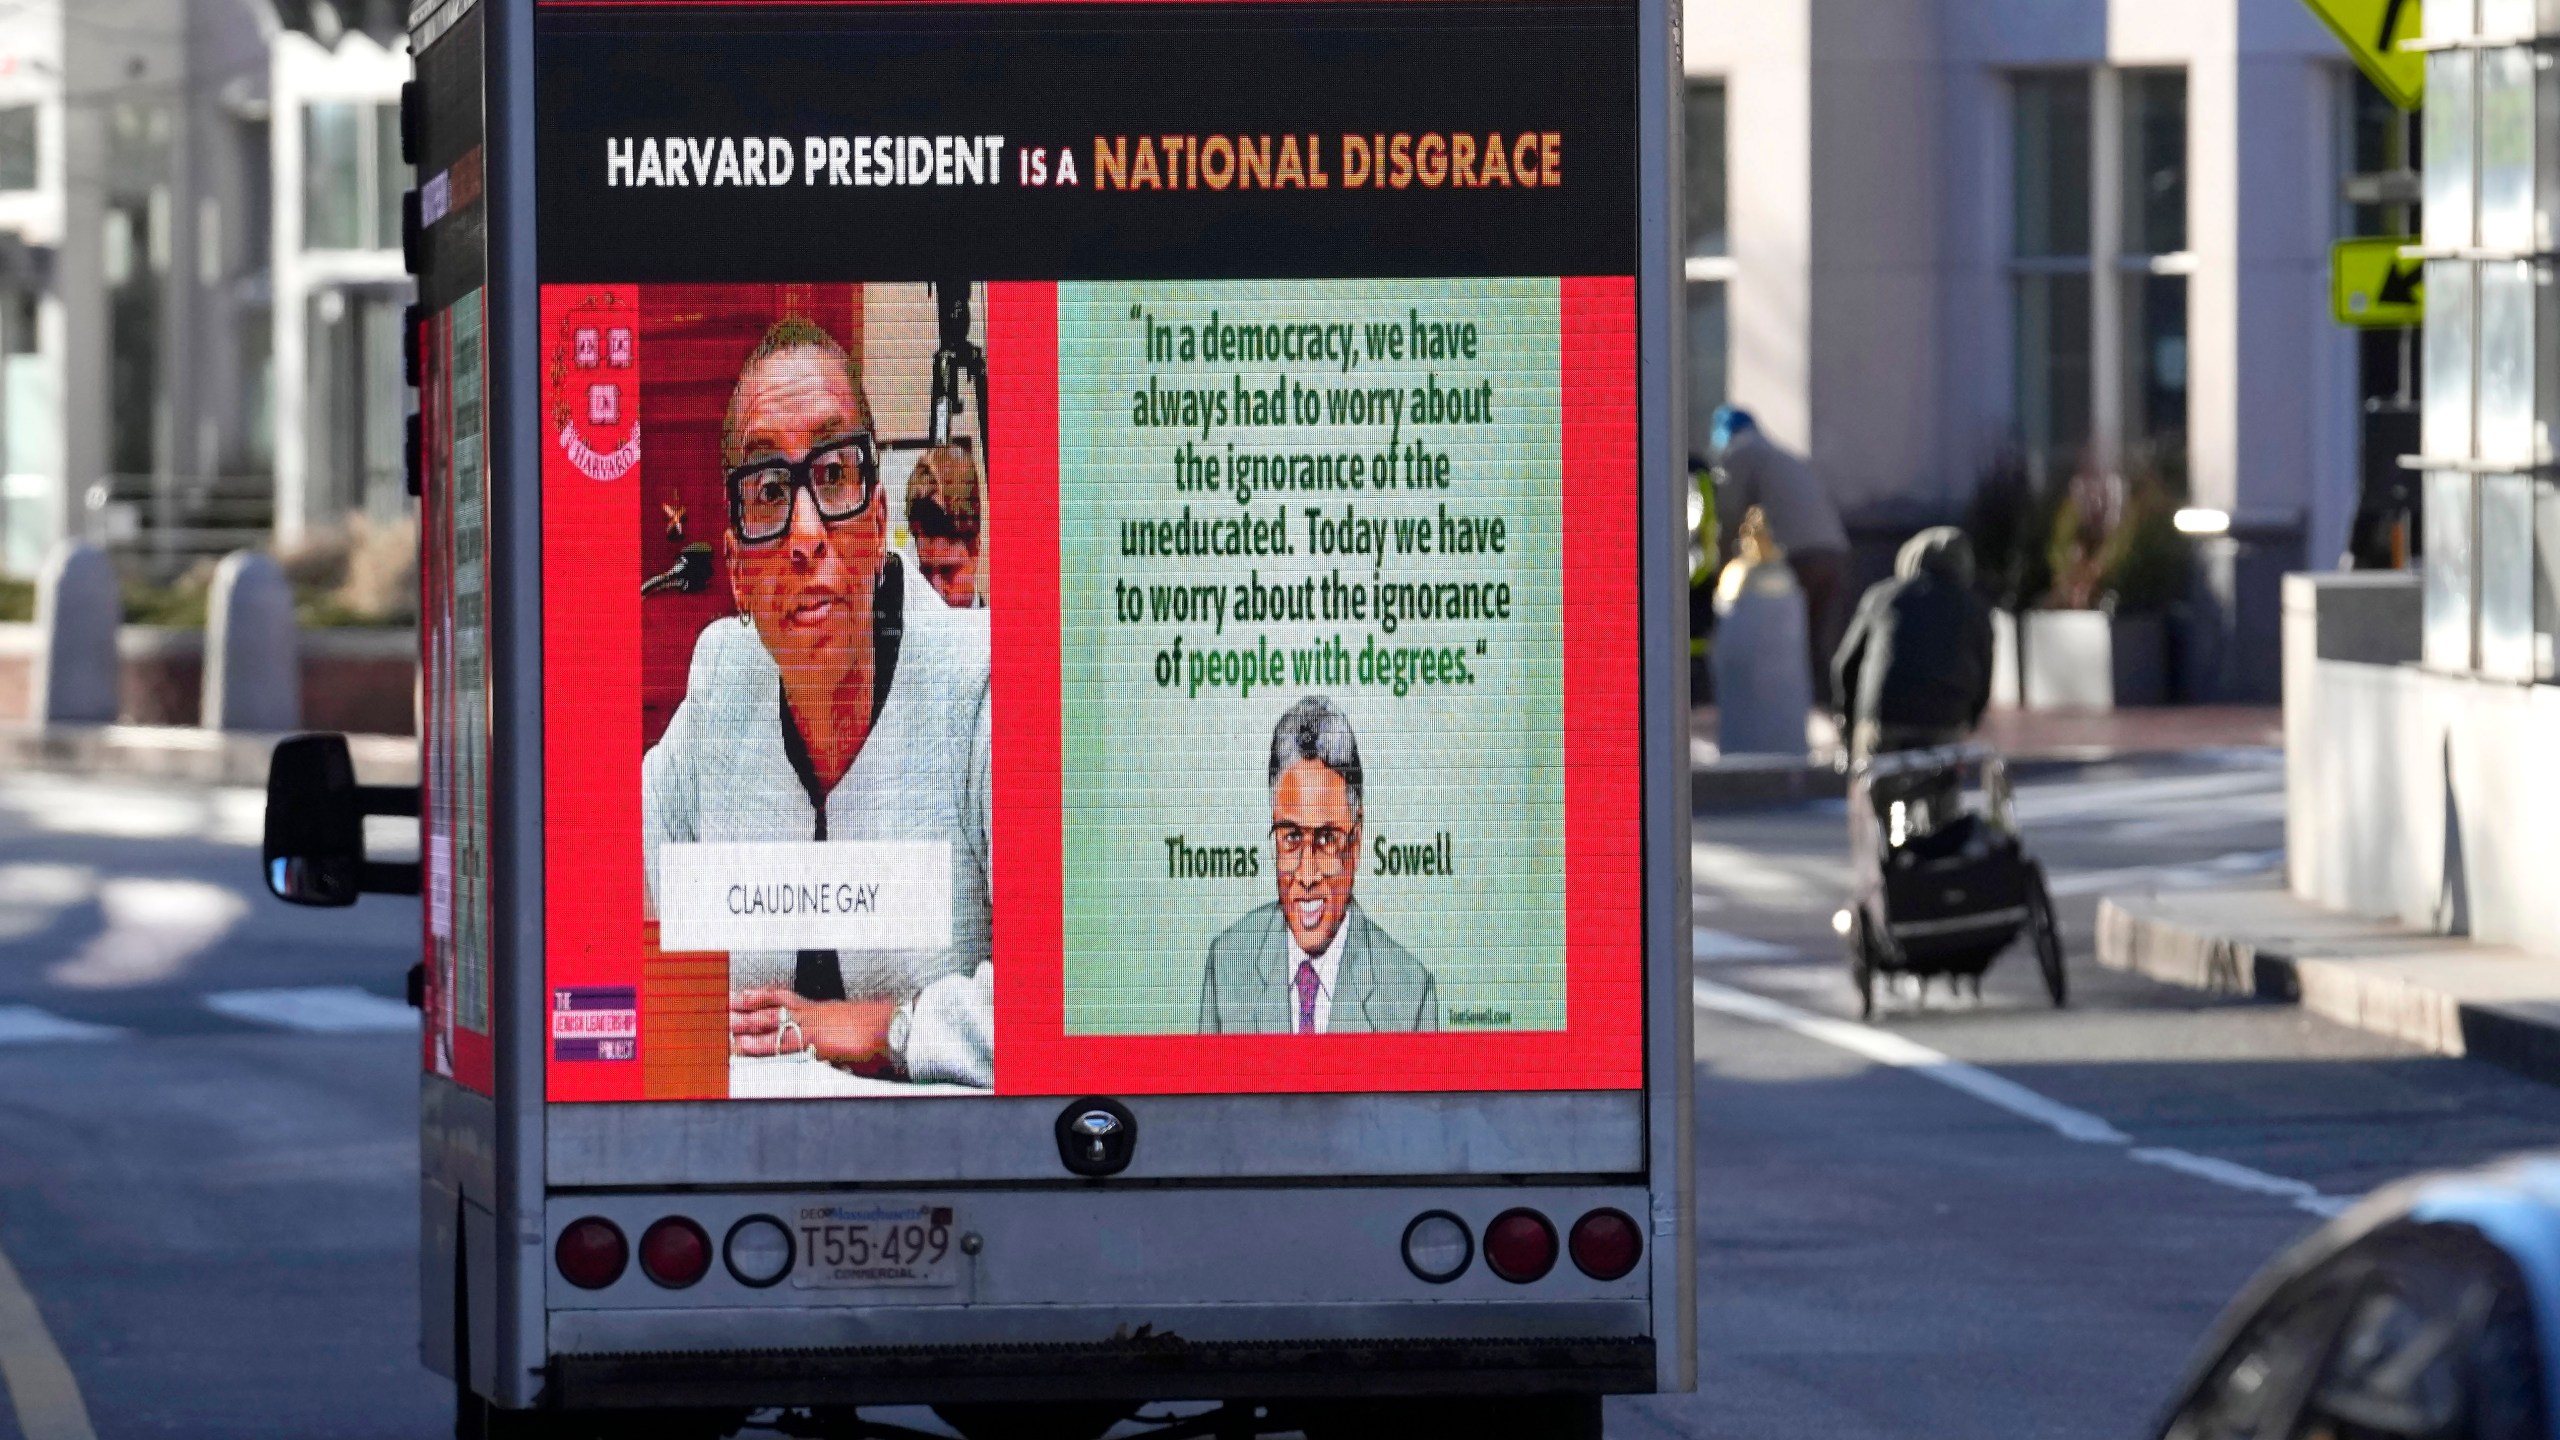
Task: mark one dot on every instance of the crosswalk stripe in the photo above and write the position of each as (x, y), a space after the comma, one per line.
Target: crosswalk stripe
(315, 1009)
(25, 1024)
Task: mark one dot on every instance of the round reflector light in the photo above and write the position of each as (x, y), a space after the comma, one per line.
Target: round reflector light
(1520, 1245)
(1606, 1244)
(759, 1251)
(1437, 1246)
(591, 1253)
(674, 1252)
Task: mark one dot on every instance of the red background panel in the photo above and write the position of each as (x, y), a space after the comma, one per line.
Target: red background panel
(591, 698)
(602, 538)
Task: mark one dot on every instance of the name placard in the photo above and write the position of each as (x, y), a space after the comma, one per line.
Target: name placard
(805, 895)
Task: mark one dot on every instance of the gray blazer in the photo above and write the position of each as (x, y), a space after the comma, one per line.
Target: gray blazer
(1379, 986)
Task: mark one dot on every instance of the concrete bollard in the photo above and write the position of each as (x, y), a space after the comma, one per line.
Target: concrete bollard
(252, 652)
(78, 608)
(1763, 694)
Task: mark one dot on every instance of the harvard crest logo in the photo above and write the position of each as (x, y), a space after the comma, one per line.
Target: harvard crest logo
(594, 387)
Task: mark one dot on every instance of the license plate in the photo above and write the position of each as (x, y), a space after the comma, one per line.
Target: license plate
(845, 1247)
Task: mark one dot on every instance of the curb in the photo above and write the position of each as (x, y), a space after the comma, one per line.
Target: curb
(2442, 994)
(176, 752)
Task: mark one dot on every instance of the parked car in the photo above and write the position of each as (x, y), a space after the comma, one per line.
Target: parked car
(2428, 1310)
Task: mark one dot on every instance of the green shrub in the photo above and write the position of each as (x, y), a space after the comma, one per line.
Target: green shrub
(2114, 544)
(17, 600)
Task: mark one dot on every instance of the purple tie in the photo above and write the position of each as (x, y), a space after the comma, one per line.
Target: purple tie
(1308, 985)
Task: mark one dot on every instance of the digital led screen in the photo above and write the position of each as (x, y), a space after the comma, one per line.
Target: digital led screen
(1089, 548)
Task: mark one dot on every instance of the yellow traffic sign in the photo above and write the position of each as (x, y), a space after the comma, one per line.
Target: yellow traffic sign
(2372, 288)
(2372, 31)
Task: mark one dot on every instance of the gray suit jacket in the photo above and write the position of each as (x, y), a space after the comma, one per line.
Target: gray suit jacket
(1379, 986)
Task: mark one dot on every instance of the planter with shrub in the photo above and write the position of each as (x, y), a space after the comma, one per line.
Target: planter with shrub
(2086, 578)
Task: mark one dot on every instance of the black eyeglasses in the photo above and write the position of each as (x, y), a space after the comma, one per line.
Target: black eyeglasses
(1330, 842)
(841, 476)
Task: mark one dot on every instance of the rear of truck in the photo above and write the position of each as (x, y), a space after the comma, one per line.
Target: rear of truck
(1054, 766)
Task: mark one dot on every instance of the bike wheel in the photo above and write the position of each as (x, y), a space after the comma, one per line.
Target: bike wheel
(2047, 934)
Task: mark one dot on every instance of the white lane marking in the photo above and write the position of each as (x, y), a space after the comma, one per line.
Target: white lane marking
(1886, 1048)
(26, 1025)
(316, 1009)
(2240, 1177)
(1724, 947)
(42, 1389)
(1901, 1053)
(2201, 875)
(154, 927)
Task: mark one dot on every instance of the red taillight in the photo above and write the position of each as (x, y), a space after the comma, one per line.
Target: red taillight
(674, 1252)
(1520, 1245)
(591, 1253)
(1606, 1244)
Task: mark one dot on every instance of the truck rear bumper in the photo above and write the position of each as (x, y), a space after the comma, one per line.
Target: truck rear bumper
(1155, 1366)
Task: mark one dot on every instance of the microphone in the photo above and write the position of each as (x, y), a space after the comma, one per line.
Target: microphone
(690, 575)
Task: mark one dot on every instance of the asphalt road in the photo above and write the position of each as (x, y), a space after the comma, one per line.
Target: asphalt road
(1980, 1219)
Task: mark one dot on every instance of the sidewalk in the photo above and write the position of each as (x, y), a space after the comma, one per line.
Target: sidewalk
(183, 752)
(2440, 993)
(2031, 739)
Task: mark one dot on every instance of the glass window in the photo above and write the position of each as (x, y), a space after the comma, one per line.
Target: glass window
(2155, 366)
(2506, 148)
(2439, 1342)
(2053, 377)
(385, 492)
(17, 147)
(2050, 286)
(257, 389)
(334, 208)
(2450, 151)
(2050, 170)
(2503, 408)
(2155, 162)
(2504, 559)
(390, 177)
(1709, 332)
(2447, 597)
(2382, 139)
(2261, 1382)
(1705, 150)
(2444, 367)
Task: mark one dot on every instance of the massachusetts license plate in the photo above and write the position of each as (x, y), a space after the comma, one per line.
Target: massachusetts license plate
(853, 1246)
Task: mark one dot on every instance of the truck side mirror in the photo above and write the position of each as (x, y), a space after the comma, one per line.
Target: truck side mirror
(314, 850)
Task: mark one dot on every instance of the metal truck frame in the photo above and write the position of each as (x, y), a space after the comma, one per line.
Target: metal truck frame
(1220, 1265)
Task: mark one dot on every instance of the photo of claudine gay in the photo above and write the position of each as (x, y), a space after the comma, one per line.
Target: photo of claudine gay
(844, 696)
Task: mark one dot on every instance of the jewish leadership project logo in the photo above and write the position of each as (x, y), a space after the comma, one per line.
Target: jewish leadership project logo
(595, 388)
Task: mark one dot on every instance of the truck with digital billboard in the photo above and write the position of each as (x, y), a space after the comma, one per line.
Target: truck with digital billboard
(1053, 694)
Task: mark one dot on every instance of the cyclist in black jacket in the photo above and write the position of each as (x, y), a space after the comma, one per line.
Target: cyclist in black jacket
(1914, 669)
